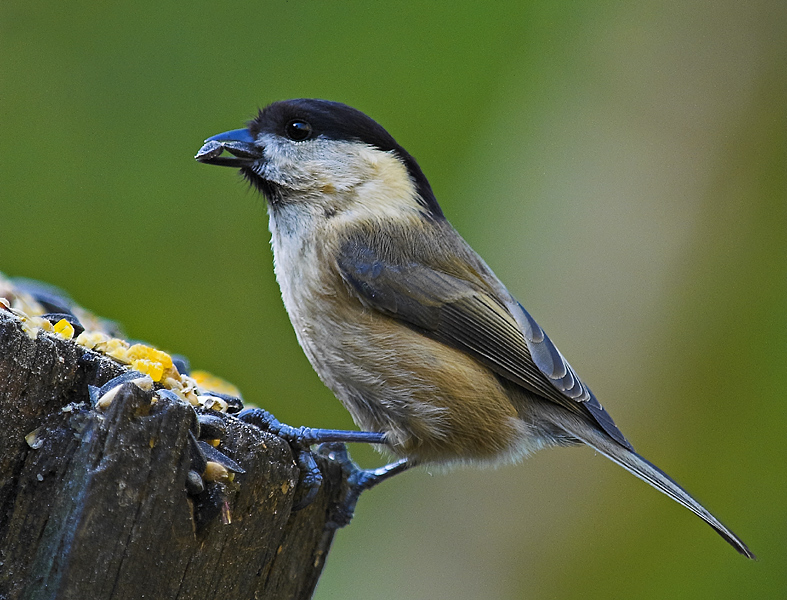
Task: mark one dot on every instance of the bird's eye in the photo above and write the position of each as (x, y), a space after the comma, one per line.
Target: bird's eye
(298, 130)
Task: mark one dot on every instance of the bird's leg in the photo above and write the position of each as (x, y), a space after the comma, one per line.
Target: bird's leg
(300, 438)
(358, 480)
(306, 435)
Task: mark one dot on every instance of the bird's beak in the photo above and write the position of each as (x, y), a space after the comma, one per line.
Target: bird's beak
(239, 142)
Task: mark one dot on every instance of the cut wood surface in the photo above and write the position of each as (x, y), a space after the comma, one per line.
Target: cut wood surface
(94, 504)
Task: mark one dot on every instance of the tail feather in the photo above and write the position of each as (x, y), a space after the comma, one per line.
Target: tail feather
(650, 473)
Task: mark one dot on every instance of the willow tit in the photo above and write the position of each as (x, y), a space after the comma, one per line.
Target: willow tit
(400, 318)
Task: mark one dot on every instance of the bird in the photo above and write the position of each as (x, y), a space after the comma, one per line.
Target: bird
(399, 316)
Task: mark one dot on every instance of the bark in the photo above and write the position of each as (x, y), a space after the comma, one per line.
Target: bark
(94, 505)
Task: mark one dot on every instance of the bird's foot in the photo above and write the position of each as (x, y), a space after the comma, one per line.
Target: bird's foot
(300, 439)
(358, 480)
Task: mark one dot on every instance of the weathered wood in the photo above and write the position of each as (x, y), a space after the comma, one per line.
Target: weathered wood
(98, 507)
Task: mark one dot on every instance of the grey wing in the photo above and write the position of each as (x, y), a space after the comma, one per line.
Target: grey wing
(501, 335)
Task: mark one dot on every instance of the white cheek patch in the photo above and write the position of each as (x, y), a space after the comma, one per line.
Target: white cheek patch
(387, 188)
(351, 176)
(304, 166)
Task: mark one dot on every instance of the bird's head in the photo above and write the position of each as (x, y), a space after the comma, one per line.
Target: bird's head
(326, 154)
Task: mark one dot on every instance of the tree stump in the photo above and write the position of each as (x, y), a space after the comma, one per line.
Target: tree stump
(94, 504)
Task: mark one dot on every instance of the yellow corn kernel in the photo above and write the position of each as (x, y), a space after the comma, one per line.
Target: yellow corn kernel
(149, 367)
(64, 329)
(148, 353)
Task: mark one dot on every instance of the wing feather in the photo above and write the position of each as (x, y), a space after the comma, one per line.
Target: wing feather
(461, 314)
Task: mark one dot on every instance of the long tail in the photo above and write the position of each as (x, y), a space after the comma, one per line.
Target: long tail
(650, 473)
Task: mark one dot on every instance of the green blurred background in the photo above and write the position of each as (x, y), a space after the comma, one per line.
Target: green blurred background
(622, 166)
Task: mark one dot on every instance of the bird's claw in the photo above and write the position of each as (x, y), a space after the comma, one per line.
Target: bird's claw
(300, 438)
(358, 480)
